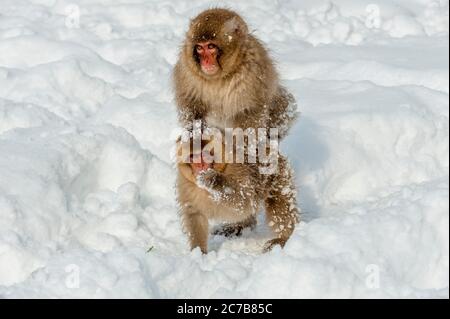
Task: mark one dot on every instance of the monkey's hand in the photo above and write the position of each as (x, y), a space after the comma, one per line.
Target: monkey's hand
(210, 179)
(268, 246)
(218, 186)
(224, 189)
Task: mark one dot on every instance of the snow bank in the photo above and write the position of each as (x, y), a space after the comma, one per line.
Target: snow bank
(87, 124)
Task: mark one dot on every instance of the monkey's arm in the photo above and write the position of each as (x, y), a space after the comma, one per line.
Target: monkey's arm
(196, 226)
(190, 108)
(282, 213)
(283, 111)
(190, 111)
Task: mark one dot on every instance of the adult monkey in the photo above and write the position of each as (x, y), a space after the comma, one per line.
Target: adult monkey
(225, 77)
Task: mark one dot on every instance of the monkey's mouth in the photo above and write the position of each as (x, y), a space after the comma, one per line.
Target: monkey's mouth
(209, 69)
(197, 168)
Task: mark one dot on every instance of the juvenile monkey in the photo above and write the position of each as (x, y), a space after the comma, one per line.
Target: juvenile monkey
(235, 193)
(225, 77)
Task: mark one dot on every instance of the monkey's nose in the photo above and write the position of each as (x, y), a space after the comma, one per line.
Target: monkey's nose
(200, 167)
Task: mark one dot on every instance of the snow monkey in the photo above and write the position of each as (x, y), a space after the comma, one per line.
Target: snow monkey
(234, 193)
(225, 78)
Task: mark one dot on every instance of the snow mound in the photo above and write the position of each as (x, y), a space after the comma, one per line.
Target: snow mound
(88, 124)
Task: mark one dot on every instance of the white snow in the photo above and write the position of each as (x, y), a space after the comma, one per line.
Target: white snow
(88, 124)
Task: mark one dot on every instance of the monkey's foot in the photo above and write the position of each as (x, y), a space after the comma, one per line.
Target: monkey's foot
(235, 229)
(268, 246)
(229, 230)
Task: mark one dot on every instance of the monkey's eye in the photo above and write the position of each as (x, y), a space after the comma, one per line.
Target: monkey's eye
(198, 48)
(211, 46)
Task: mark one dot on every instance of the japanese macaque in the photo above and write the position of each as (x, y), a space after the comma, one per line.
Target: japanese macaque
(234, 193)
(225, 77)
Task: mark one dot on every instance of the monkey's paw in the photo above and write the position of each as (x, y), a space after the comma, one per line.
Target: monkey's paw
(229, 230)
(209, 179)
(268, 246)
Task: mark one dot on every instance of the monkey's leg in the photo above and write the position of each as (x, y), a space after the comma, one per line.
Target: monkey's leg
(235, 229)
(281, 206)
(196, 226)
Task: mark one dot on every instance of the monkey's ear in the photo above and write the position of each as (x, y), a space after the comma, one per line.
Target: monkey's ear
(186, 171)
(235, 26)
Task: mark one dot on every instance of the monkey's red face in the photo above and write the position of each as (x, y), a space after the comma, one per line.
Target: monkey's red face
(197, 168)
(207, 53)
